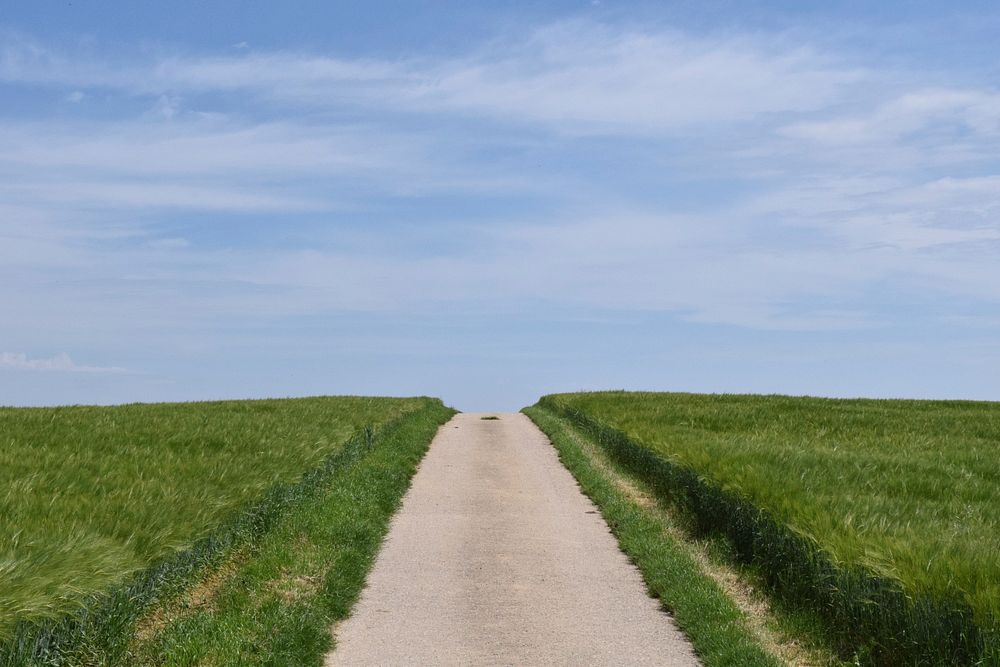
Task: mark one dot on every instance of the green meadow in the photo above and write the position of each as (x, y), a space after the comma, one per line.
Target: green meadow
(93, 495)
(237, 532)
(886, 494)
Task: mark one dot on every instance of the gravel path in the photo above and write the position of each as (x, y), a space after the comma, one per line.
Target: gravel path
(497, 558)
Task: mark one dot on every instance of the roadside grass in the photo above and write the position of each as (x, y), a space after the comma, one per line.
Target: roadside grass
(880, 517)
(111, 511)
(717, 628)
(276, 605)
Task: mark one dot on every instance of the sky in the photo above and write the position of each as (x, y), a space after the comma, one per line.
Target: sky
(490, 201)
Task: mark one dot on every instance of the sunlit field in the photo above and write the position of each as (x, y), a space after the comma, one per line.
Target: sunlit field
(906, 491)
(93, 494)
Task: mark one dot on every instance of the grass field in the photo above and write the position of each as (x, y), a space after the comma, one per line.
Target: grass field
(94, 495)
(860, 498)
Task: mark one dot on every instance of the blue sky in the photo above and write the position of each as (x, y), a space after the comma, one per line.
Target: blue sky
(490, 201)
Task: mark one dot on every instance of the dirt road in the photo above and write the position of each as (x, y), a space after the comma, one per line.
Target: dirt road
(496, 558)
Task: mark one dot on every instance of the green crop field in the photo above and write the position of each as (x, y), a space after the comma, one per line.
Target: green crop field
(89, 496)
(888, 494)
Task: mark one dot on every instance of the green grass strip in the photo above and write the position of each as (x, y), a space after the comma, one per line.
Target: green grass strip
(716, 627)
(102, 631)
(277, 605)
(868, 619)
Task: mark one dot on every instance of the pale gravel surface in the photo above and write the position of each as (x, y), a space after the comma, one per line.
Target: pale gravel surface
(497, 558)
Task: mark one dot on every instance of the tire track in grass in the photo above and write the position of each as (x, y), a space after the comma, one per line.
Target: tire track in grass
(775, 630)
(275, 606)
(716, 626)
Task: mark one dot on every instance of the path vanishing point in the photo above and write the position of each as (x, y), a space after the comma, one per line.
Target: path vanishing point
(497, 558)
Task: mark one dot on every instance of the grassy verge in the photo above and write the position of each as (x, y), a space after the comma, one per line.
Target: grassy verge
(755, 470)
(716, 627)
(98, 628)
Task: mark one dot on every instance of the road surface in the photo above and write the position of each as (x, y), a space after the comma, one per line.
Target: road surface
(497, 558)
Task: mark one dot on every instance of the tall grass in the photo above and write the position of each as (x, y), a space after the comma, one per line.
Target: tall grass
(882, 516)
(91, 496)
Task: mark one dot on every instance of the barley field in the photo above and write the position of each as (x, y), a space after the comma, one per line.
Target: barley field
(890, 491)
(91, 495)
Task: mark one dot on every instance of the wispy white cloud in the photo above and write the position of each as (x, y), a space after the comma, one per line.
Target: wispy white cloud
(948, 111)
(204, 146)
(61, 362)
(581, 77)
(120, 193)
(221, 164)
(845, 179)
(572, 76)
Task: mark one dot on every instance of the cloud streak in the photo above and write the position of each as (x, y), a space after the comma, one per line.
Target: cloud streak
(573, 77)
(61, 362)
